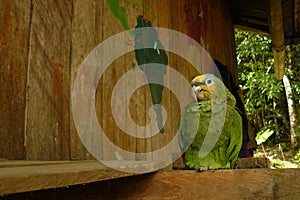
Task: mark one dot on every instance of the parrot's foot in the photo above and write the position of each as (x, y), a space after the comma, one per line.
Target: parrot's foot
(202, 169)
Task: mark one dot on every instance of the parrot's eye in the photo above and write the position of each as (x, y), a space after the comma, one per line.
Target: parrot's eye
(209, 82)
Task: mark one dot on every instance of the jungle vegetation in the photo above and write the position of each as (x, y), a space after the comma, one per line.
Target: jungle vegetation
(273, 106)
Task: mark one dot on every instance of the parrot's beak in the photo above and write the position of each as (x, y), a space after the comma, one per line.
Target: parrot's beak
(201, 92)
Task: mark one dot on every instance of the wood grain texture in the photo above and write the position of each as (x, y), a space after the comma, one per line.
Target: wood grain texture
(221, 184)
(111, 27)
(14, 26)
(85, 25)
(31, 176)
(131, 63)
(277, 36)
(163, 20)
(53, 39)
(48, 85)
(257, 184)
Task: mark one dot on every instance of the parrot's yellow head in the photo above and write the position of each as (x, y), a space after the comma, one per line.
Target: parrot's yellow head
(205, 86)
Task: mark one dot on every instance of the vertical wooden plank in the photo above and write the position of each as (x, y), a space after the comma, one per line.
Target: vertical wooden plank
(160, 140)
(121, 138)
(111, 26)
(14, 26)
(149, 15)
(84, 35)
(131, 64)
(106, 120)
(47, 128)
(139, 99)
(99, 27)
(178, 23)
(145, 101)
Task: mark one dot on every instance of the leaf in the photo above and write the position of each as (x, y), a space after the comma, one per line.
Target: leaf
(263, 136)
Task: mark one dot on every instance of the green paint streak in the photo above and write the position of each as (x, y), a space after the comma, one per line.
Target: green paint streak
(120, 13)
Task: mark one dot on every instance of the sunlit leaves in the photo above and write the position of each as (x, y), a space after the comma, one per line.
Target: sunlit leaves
(263, 135)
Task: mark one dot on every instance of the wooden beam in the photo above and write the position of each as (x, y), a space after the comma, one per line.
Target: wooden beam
(277, 36)
(252, 30)
(219, 184)
(184, 184)
(25, 176)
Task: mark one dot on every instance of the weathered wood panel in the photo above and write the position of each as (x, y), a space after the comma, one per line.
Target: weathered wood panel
(111, 27)
(14, 26)
(209, 23)
(85, 25)
(60, 35)
(177, 23)
(132, 64)
(48, 84)
(163, 20)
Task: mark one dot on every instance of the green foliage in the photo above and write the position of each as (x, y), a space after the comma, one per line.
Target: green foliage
(277, 163)
(264, 95)
(297, 159)
(263, 135)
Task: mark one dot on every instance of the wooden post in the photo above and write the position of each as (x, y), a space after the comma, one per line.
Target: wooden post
(277, 36)
(297, 16)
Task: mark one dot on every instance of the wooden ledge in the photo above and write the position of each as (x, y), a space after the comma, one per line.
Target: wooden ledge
(234, 184)
(25, 176)
(105, 183)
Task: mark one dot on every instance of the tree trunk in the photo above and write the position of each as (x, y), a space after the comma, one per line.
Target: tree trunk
(275, 121)
(292, 113)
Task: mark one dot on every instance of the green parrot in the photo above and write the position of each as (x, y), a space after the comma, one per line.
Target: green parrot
(210, 129)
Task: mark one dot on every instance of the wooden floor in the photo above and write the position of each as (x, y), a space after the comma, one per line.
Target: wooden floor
(24, 176)
(92, 180)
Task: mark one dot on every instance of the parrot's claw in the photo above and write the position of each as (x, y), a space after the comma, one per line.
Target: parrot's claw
(202, 169)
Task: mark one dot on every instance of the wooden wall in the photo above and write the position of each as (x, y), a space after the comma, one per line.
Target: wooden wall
(42, 44)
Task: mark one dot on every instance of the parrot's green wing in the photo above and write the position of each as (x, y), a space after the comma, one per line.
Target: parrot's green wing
(235, 139)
